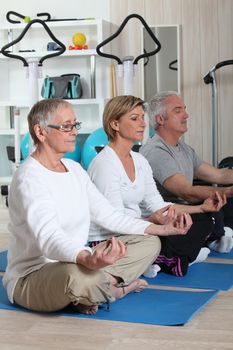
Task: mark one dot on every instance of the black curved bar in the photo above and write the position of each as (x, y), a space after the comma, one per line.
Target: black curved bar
(44, 14)
(147, 58)
(119, 31)
(208, 78)
(170, 66)
(15, 14)
(25, 63)
(223, 63)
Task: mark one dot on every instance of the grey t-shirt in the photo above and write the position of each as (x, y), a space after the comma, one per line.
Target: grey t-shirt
(166, 160)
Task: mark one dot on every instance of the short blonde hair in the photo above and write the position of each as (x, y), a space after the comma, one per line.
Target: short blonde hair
(116, 108)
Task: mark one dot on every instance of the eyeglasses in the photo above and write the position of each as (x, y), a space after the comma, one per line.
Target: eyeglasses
(66, 127)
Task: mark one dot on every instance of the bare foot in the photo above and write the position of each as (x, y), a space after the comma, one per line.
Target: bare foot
(140, 285)
(136, 286)
(86, 309)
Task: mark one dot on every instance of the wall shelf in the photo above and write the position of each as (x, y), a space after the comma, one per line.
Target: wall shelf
(15, 91)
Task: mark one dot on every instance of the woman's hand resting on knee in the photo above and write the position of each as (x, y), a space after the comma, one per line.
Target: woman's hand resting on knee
(163, 215)
(177, 226)
(104, 254)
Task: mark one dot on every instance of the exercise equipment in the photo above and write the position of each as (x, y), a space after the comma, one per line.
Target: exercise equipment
(96, 141)
(24, 145)
(127, 66)
(226, 163)
(210, 78)
(33, 70)
(75, 155)
(79, 39)
(9, 14)
(173, 65)
(46, 15)
(33, 65)
(93, 144)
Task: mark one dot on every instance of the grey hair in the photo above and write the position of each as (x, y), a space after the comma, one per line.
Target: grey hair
(157, 106)
(42, 112)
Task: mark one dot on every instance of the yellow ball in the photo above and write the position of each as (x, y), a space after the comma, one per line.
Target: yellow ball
(27, 19)
(79, 39)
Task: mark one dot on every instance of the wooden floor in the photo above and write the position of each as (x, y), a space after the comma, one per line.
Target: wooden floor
(211, 328)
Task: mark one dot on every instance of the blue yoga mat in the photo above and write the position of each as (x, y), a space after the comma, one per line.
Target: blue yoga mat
(152, 306)
(221, 255)
(3, 261)
(201, 275)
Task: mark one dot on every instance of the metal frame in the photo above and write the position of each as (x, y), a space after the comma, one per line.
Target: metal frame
(210, 78)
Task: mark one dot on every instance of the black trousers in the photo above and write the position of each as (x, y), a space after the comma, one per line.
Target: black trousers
(222, 218)
(178, 251)
(228, 213)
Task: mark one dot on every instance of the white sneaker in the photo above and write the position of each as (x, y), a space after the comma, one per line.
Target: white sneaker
(222, 245)
(202, 255)
(228, 231)
(152, 271)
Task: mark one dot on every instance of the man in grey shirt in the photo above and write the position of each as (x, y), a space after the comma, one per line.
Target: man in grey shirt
(175, 164)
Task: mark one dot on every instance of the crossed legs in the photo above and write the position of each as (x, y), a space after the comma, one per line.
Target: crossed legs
(56, 285)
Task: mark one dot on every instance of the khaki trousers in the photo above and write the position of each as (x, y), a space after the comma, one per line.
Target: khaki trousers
(56, 285)
(141, 251)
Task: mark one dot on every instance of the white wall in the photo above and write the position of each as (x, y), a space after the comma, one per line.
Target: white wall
(57, 9)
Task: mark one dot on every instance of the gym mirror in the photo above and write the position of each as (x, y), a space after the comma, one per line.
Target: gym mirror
(161, 71)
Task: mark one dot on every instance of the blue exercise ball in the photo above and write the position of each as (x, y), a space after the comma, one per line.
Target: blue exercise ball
(24, 146)
(76, 154)
(151, 132)
(96, 139)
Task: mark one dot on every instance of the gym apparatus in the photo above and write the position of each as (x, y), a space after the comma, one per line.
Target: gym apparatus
(210, 78)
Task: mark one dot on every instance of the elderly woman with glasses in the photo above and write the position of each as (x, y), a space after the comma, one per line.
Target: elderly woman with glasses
(51, 203)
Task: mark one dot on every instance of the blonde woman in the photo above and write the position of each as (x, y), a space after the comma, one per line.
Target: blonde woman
(125, 178)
